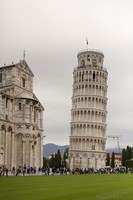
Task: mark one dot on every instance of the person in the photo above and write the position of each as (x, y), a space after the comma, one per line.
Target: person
(17, 172)
(48, 171)
(3, 170)
(6, 172)
(23, 170)
(13, 170)
(34, 170)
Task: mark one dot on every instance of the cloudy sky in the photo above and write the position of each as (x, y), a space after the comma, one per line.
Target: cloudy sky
(52, 32)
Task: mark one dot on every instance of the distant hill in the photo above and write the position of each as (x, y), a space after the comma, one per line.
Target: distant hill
(49, 149)
(116, 150)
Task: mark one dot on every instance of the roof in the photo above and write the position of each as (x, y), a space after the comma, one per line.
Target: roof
(8, 66)
(25, 95)
(16, 65)
(115, 156)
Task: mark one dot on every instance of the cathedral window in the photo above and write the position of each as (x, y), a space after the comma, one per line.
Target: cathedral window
(23, 82)
(6, 102)
(6, 117)
(0, 77)
(19, 106)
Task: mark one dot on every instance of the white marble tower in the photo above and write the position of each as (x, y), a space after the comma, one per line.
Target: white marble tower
(88, 114)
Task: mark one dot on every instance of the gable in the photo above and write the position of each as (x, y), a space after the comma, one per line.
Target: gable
(25, 68)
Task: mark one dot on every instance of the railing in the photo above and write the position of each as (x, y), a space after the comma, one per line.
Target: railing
(78, 67)
(93, 50)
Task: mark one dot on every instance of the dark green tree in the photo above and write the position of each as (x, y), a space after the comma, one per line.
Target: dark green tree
(55, 160)
(108, 159)
(45, 162)
(129, 164)
(58, 159)
(123, 157)
(128, 153)
(113, 160)
(65, 156)
(52, 161)
(66, 152)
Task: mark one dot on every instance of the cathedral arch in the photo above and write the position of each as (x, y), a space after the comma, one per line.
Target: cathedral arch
(27, 135)
(3, 127)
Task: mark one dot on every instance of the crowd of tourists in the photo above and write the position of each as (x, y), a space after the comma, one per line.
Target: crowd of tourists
(22, 171)
(63, 171)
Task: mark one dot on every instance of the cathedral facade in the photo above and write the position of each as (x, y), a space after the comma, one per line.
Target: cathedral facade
(21, 118)
(88, 114)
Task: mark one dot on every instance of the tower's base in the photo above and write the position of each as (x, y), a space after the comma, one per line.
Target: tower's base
(86, 159)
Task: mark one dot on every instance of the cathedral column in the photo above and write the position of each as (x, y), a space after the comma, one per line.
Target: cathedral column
(0, 137)
(6, 139)
(23, 112)
(37, 116)
(30, 113)
(24, 152)
(15, 152)
(1, 156)
(41, 119)
(31, 142)
(12, 158)
(41, 162)
(35, 152)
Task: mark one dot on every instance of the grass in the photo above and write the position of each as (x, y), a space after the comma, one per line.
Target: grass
(71, 187)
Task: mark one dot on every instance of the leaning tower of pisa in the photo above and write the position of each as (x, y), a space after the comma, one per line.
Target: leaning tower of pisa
(88, 114)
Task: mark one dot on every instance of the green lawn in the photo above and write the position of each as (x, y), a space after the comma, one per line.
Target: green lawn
(70, 187)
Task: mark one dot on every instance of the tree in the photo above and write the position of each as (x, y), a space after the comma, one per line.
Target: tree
(108, 160)
(123, 157)
(58, 159)
(128, 153)
(52, 161)
(65, 156)
(55, 160)
(113, 159)
(66, 152)
(129, 164)
(45, 162)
